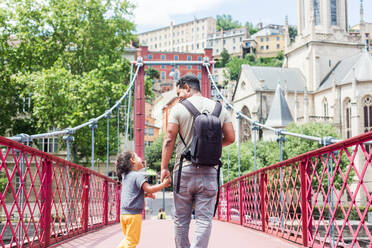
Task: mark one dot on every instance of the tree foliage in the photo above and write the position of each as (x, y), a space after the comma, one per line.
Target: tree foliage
(251, 28)
(292, 33)
(225, 22)
(69, 56)
(234, 65)
(268, 153)
(225, 58)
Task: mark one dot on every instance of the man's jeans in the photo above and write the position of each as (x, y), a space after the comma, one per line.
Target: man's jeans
(198, 185)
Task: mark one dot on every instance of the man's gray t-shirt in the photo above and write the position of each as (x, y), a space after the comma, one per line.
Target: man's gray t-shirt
(183, 118)
(132, 194)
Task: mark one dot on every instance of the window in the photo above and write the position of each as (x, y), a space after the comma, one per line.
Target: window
(199, 76)
(162, 57)
(240, 39)
(234, 48)
(162, 66)
(233, 40)
(367, 113)
(317, 12)
(175, 57)
(278, 46)
(334, 12)
(189, 58)
(347, 117)
(262, 47)
(267, 38)
(199, 58)
(189, 67)
(163, 75)
(262, 39)
(267, 47)
(224, 42)
(150, 56)
(325, 107)
(277, 38)
(197, 45)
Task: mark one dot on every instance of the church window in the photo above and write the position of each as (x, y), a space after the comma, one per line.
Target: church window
(325, 107)
(367, 114)
(317, 12)
(347, 118)
(334, 12)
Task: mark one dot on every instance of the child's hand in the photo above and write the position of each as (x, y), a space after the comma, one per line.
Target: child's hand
(150, 195)
(167, 181)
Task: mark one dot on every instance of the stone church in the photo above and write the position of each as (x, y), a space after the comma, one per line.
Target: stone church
(326, 77)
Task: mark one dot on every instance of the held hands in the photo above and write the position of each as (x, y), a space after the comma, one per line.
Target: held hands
(167, 181)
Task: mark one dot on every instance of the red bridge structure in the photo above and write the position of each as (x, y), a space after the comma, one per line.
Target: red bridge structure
(317, 199)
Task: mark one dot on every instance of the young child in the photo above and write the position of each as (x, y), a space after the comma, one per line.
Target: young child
(134, 188)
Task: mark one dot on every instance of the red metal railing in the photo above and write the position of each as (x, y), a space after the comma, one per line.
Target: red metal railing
(45, 199)
(318, 199)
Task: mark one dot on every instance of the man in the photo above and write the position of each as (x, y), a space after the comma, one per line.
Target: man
(198, 184)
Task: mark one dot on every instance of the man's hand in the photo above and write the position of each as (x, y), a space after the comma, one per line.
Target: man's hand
(164, 173)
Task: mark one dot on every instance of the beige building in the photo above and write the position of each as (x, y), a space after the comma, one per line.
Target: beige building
(231, 40)
(184, 37)
(266, 43)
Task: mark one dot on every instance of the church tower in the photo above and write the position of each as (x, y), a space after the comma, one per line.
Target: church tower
(323, 39)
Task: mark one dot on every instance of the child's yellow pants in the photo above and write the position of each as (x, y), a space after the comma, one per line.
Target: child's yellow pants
(131, 225)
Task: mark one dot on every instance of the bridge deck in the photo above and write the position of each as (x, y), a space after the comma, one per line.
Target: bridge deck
(223, 235)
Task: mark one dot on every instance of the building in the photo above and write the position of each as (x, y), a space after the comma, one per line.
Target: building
(265, 43)
(326, 77)
(231, 40)
(185, 37)
(151, 130)
(169, 73)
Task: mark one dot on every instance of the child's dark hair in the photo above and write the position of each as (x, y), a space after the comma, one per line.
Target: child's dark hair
(123, 164)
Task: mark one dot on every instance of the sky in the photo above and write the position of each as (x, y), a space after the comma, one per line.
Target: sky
(153, 14)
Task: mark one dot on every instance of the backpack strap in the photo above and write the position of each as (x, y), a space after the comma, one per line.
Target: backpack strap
(190, 107)
(217, 109)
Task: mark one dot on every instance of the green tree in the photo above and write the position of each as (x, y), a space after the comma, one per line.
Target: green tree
(234, 65)
(225, 22)
(252, 30)
(225, 58)
(152, 73)
(80, 36)
(153, 154)
(292, 33)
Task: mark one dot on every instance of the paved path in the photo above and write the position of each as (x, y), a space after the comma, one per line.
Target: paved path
(160, 234)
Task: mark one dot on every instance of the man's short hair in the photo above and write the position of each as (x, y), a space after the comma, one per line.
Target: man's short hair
(190, 80)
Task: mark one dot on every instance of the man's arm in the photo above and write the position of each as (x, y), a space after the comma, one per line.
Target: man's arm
(228, 134)
(168, 147)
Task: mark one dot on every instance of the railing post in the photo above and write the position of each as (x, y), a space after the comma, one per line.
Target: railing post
(228, 203)
(105, 202)
(46, 202)
(85, 202)
(304, 204)
(118, 191)
(263, 193)
(241, 201)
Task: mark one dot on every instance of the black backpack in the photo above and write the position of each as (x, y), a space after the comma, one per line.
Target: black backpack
(206, 145)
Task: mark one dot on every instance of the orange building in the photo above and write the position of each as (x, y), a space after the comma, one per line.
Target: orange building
(151, 130)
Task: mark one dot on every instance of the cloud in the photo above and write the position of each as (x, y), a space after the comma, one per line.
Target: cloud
(160, 12)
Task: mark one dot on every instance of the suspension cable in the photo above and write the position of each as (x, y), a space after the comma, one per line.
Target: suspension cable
(28, 138)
